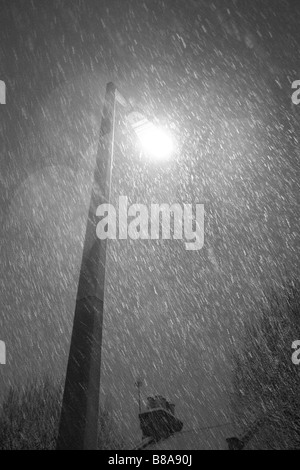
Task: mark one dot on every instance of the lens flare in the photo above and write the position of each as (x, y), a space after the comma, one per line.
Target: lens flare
(155, 141)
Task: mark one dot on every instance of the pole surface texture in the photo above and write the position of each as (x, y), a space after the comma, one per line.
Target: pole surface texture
(78, 428)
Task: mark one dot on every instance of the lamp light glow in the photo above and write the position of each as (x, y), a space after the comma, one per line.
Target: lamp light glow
(155, 141)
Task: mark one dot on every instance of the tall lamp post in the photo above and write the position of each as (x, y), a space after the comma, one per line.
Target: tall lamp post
(78, 428)
(80, 406)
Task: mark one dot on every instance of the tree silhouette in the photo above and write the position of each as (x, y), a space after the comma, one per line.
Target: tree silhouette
(30, 416)
(266, 383)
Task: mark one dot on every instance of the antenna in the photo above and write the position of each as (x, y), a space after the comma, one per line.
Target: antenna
(138, 384)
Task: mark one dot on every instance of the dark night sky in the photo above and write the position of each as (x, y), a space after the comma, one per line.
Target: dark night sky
(220, 73)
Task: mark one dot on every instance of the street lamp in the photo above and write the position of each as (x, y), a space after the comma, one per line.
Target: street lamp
(78, 427)
(156, 142)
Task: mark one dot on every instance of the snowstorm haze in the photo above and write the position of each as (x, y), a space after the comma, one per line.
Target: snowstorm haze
(218, 75)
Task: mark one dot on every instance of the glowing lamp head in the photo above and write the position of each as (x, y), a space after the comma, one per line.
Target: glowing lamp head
(155, 142)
